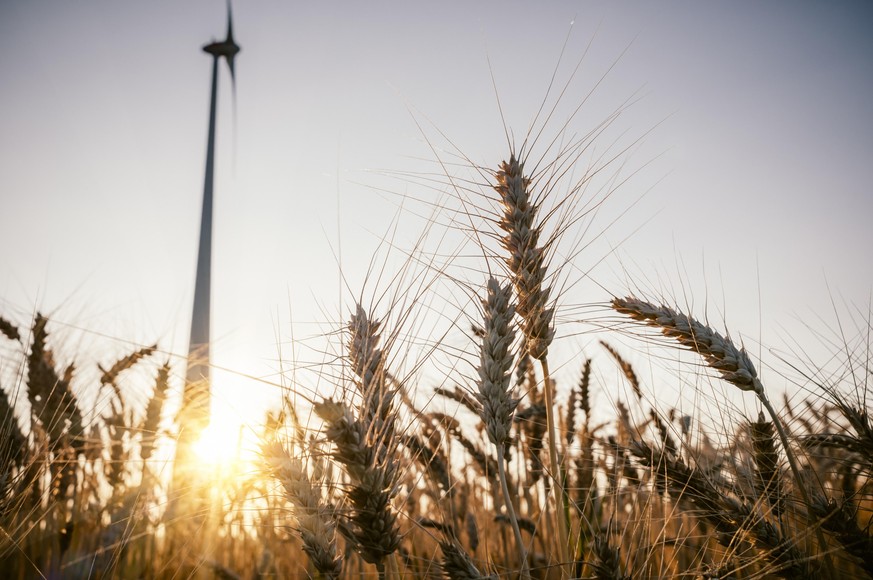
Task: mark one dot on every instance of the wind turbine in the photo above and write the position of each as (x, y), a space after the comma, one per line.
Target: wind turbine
(194, 413)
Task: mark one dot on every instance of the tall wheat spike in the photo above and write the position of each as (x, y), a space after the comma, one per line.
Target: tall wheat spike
(527, 263)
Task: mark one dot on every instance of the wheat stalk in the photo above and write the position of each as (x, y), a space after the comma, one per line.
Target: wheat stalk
(731, 362)
(767, 473)
(526, 259)
(494, 396)
(315, 521)
(457, 564)
(527, 264)
(365, 443)
(111, 374)
(841, 519)
(53, 404)
(719, 352)
(626, 369)
(151, 421)
(495, 362)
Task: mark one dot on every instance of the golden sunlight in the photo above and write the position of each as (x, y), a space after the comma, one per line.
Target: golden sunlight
(220, 444)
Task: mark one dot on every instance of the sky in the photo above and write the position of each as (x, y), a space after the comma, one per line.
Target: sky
(746, 151)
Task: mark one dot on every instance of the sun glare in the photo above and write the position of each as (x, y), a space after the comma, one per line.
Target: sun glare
(220, 444)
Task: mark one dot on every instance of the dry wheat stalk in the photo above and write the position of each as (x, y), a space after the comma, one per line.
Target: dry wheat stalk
(732, 363)
(607, 564)
(125, 363)
(719, 352)
(859, 419)
(570, 418)
(365, 443)
(151, 421)
(666, 439)
(841, 519)
(457, 564)
(495, 363)
(527, 265)
(485, 464)
(585, 390)
(372, 525)
(532, 420)
(52, 400)
(526, 259)
(461, 396)
(768, 476)
(435, 463)
(315, 521)
(368, 363)
(494, 395)
(472, 530)
(626, 369)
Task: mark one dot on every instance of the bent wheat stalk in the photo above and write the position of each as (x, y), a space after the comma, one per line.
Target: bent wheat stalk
(731, 362)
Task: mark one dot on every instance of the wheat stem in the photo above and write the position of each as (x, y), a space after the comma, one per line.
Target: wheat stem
(795, 471)
(513, 519)
(560, 504)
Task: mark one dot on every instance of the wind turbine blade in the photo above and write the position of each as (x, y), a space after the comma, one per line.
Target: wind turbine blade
(230, 61)
(233, 98)
(229, 24)
(230, 65)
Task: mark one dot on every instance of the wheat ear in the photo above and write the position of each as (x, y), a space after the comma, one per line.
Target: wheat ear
(841, 519)
(719, 352)
(731, 362)
(497, 403)
(315, 522)
(9, 330)
(626, 368)
(457, 564)
(768, 477)
(52, 400)
(151, 422)
(364, 444)
(527, 263)
(111, 374)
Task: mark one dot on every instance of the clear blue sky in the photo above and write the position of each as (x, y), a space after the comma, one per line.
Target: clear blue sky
(761, 176)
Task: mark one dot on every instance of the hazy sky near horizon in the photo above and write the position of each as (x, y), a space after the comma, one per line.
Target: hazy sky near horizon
(757, 170)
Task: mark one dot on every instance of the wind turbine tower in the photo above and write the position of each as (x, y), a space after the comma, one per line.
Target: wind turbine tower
(194, 414)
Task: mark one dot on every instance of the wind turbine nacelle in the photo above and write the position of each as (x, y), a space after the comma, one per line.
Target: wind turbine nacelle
(226, 48)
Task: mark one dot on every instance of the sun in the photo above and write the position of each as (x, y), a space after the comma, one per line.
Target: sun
(220, 444)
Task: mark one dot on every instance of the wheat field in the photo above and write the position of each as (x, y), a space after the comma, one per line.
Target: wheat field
(496, 470)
